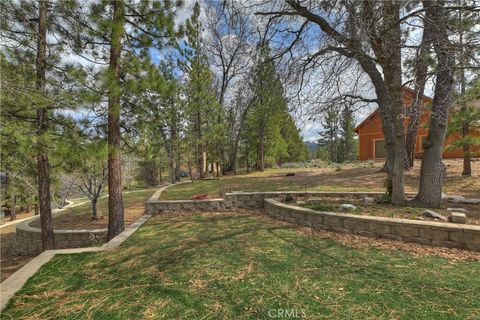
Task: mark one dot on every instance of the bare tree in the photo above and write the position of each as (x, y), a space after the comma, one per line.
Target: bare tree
(369, 28)
(91, 181)
(229, 47)
(432, 170)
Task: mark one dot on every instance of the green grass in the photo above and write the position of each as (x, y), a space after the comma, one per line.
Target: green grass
(232, 266)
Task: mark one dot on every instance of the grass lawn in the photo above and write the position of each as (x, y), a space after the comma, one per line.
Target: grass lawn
(356, 176)
(231, 266)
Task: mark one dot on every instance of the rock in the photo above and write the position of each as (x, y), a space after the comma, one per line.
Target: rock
(454, 198)
(301, 203)
(289, 198)
(470, 201)
(369, 200)
(315, 201)
(371, 162)
(457, 217)
(347, 207)
(434, 215)
(458, 210)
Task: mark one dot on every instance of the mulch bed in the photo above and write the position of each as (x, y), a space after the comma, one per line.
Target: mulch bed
(391, 211)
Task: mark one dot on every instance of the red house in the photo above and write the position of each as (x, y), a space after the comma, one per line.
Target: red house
(372, 142)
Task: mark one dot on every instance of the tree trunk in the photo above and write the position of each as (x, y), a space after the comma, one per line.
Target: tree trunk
(432, 171)
(171, 157)
(246, 157)
(94, 209)
(261, 151)
(202, 160)
(43, 165)
(467, 161)
(13, 212)
(421, 68)
(115, 199)
(392, 67)
(160, 173)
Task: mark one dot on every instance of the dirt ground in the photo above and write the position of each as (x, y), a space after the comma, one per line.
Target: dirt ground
(362, 175)
(83, 221)
(8, 262)
(20, 216)
(388, 210)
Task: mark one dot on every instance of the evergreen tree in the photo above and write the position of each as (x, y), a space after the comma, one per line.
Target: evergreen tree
(467, 114)
(265, 115)
(329, 136)
(465, 29)
(39, 87)
(115, 33)
(204, 130)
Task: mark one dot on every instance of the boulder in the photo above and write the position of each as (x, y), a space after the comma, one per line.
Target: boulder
(369, 200)
(457, 217)
(454, 198)
(347, 207)
(434, 215)
(458, 210)
(470, 201)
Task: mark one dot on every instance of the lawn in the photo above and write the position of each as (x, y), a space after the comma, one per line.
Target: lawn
(356, 176)
(77, 217)
(232, 266)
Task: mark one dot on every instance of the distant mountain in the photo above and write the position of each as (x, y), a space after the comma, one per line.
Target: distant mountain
(312, 146)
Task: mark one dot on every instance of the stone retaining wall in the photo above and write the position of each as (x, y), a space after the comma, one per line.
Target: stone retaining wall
(245, 200)
(29, 240)
(424, 232)
(163, 206)
(255, 200)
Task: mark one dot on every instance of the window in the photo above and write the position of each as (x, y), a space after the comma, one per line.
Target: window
(380, 152)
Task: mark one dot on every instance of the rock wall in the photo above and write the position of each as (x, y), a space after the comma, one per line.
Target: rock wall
(423, 232)
(244, 200)
(29, 240)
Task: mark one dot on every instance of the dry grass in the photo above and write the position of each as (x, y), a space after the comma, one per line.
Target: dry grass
(357, 176)
(232, 266)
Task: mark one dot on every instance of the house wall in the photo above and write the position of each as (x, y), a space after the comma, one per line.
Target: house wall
(371, 130)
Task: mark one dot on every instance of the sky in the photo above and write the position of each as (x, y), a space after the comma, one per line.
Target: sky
(309, 125)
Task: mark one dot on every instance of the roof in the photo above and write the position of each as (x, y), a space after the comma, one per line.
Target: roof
(371, 115)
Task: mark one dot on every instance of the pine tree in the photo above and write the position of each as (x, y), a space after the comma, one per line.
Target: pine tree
(329, 136)
(265, 114)
(466, 114)
(202, 108)
(33, 55)
(115, 32)
(465, 26)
